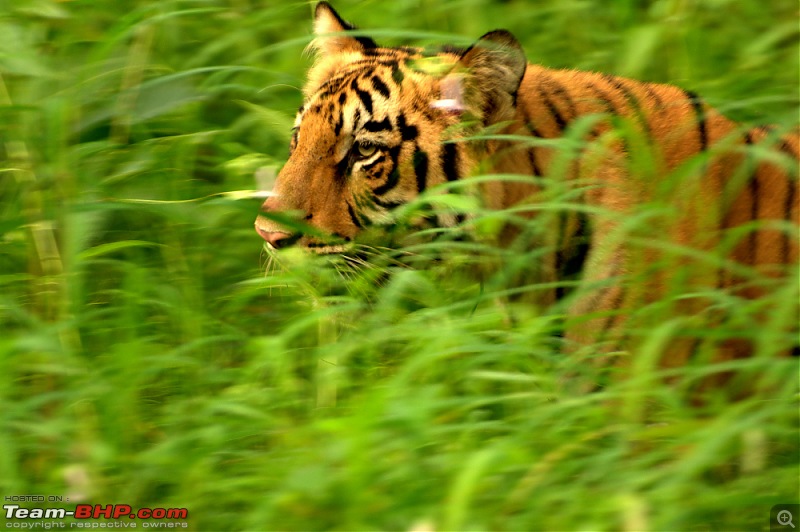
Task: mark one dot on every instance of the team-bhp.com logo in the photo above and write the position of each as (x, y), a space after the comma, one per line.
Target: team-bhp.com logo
(96, 511)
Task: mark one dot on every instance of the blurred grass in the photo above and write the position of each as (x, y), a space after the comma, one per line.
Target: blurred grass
(145, 359)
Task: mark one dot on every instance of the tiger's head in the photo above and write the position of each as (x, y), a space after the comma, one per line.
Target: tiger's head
(377, 128)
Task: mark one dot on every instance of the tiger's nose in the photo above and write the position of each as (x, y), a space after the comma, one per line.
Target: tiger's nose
(269, 230)
(276, 239)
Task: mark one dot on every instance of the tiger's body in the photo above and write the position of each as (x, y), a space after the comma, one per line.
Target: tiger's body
(379, 126)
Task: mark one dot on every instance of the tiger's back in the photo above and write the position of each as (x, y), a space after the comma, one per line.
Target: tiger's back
(698, 162)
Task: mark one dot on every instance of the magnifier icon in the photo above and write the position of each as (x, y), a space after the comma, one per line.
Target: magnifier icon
(785, 518)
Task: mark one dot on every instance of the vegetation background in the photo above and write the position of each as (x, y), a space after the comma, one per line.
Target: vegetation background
(146, 358)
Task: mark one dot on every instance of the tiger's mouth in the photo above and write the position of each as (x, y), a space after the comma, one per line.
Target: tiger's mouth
(276, 238)
(327, 249)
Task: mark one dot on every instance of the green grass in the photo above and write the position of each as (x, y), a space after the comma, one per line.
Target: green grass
(146, 359)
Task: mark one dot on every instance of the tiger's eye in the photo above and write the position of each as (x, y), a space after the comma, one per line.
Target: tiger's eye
(365, 150)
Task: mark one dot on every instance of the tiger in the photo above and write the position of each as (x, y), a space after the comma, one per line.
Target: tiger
(379, 126)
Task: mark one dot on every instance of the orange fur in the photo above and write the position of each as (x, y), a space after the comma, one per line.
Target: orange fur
(413, 115)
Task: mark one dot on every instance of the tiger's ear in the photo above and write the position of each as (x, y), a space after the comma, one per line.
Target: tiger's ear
(495, 66)
(327, 22)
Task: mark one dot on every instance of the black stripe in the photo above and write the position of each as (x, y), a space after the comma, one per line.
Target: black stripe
(375, 52)
(363, 95)
(387, 204)
(399, 51)
(337, 127)
(366, 42)
(408, 132)
(604, 99)
(381, 87)
(335, 84)
(648, 88)
(612, 110)
(570, 259)
(450, 49)
(532, 159)
(754, 195)
(632, 100)
(353, 217)
(375, 126)
(421, 168)
(397, 75)
(343, 167)
(394, 178)
(366, 99)
(791, 191)
(342, 98)
(697, 105)
(753, 189)
(562, 123)
(394, 174)
(554, 112)
(787, 149)
(450, 161)
(537, 171)
(789, 237)
(324, 94)
(532, 129)
(369, 166)
(372, 63)
(748, 138)
(616, 83)
(561, 92)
